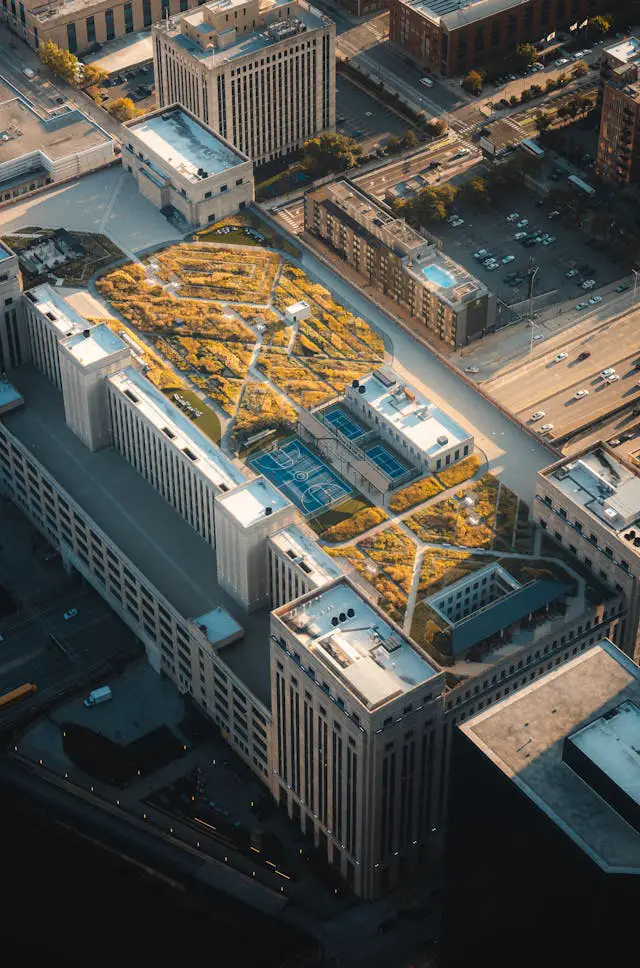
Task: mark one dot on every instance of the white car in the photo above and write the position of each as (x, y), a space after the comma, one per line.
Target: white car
(451, 218)
(588, 283)
(553, 214)
(70, 614)
(610, 370)
(28, 72)
(426, 81)
(613, 378)
(513, 217)
(519, 236)
(538, 337)
(549, 240)
(545, 428)
(456, 222)
(562, 62)
(595, 300)
(482, 254)
(472, 369)
(507, 259)
(521, 224)
(579, 394)
(560, 357)
(537, 415)
(492, 266)
(571, 273)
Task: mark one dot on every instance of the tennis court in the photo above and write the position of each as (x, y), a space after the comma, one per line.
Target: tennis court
(386, 461)
(300, 474)
(343, 422)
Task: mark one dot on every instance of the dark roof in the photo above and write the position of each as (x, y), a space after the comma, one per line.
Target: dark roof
(514, 606)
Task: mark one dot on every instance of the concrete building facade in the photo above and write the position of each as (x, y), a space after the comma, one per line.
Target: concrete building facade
(297, 565)
(179, 162)
(50, 319)
(618, 157)
(14, 339)
(261, 73)
(446, 299)
(78, 25)
(451, 37)
(357, 735)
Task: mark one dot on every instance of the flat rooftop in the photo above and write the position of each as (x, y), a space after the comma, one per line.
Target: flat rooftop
(5, 252)
(612, 742)
(185, 145)
(351, 637)
(307, 554)
(178, 429)
(373, 216)
(605, 488)
(251, 501)
(98, 345)
(246, 44)
(524, 736)
(163, 546)
(459, 13)
(55, 137)
(412, 415)
(624, 51)
(61, 314)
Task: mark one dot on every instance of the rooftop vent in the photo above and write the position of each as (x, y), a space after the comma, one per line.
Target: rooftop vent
(442, 440)
(350, 613)
(165, 430)
(131, 396)
(268, 511)
(51, 316)
(362, 389)
(343, 616)
(355, 383)
(86, 333)
(189, 453)
(335, 620)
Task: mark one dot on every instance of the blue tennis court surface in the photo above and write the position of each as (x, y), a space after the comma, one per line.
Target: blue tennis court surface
(387, 463)
(341, 421)
(301, 475)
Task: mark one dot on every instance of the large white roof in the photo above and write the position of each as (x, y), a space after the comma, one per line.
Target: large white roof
(62, 316)
(251, 501)
(100, 343)
(185, 145)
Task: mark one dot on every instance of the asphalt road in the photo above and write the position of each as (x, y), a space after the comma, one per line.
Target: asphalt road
(380, 181)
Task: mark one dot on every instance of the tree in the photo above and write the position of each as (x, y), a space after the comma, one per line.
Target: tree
(393, 144)
(62, 62)
(437, 127)
(409, 139)
(542, 121)
(535, 90)
(526, 54)
(431, 204)
(472, 82)
(513, 100)
(475, 191)
(550, 85)
(122, 109)
(579, 69)
(330, 152)
(525, 95)
(598, 26)
(93, 75)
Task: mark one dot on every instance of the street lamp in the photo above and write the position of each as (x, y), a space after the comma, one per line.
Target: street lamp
(531, 284)
(635, 283)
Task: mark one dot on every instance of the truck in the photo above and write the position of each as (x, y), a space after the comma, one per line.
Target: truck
(96, 696)
(25, 690)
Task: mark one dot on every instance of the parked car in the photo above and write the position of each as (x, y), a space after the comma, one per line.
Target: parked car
(519, 236)
(472, 369)
(507, 259)
(456, 222)
(549, 240)
(583, 356)
(522, 223)
(571, 273)
(560, 357)
(610, 370)
(71, 613)
(553, 214)
(513, 217)
(537, 415)
(503, 101)
(538, 337)
(426, 81)
(622, 287)
(579, 394)
(613, 378)
(581, 305)
(595, 300)
(434, 164)
(482, 254)
(588, 284)
(614, 442)
(545, 428)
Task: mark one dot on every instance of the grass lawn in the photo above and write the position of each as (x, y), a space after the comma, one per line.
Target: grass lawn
(335, 515)
(209, 422)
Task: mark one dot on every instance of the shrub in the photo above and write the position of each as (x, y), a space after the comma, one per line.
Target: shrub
(414, 493)
(460, 472)
(360, 522)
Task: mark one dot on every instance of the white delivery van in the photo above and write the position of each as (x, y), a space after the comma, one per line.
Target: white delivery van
(103, 694)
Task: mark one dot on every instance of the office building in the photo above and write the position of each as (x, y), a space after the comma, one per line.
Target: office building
(618, 158)
(261, 73)
(163, 445)
(554, 839)
(179, 163)
(446, 299)
(14, 339)
(36, 150)
(590, 504)
(357, 717)
(451, 37)
(78, 25)
(297, 565)
(245, 518)
(49, 320)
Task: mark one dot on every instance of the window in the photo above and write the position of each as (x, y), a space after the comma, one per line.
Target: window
(128, 18)
(71, 38)
(91, 30)
(146, 13)
(108, 22)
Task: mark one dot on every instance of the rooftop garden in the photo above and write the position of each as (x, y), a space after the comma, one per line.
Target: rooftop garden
(99, 252)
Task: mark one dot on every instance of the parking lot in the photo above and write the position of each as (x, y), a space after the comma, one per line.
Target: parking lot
(492, 230)
(136, 83)
(361, 116)
(38, 644)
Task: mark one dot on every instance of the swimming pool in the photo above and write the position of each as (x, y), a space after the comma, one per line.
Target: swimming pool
(441, 277)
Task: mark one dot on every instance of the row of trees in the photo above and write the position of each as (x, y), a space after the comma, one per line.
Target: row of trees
(67, 66)
(338, 152)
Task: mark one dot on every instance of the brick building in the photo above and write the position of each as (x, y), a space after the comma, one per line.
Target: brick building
(618, 158)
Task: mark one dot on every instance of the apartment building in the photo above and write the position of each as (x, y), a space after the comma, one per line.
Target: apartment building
(297, 565)
(14, 341)
(590, 504)
(451, 37)
(446, 299)
(168, 450)
(179, 162)
(78, 25)
(618, 157)
(557, 764)
(36, 150)
(261, 73)
(357, 716)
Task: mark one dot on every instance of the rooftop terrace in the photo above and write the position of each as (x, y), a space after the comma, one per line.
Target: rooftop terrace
(351, 637)
(604, 487)
(412, 415)
(173, 558)
(178, 429)
(524, 737)
(624, 51)
(185, 145)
